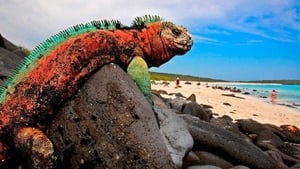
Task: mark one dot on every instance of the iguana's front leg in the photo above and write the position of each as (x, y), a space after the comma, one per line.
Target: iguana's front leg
(138, 71)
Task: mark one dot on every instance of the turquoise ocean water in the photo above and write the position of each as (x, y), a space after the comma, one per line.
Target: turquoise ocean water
(287, 94)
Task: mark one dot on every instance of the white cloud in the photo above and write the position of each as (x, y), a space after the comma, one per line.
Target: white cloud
(29, 22)
(203, 39)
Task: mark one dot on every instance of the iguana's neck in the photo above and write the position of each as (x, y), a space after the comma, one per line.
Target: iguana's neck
(157, 52)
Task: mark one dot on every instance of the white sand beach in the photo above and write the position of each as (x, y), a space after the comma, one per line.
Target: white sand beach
(250, 107)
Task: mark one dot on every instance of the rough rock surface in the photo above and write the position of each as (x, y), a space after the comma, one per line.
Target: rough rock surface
(211, 137)
(192, 98)
(10, 57)
(204, 167)
(196, 110)
(177, 103)
(191, 159)
(109, 124)
(177, 137)
(189, 106)
(207, 158)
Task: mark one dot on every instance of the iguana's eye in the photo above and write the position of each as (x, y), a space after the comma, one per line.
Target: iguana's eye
(176, 32)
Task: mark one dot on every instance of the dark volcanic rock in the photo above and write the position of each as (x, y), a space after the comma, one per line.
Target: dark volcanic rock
(192, 98)
(159, 92)
(239, 167)
(6, 44)
(191, 159)
(1, 41)
(178, 95)
(164, 83)
(232, 95)
(214, 138)
(207, 158)
(266, 136)
(10, 58)
(109, 124)
(205, 106)
(227, 104)
(204, 167)
(286, 134)
(197, 110)
(226, 123)
(291, 149)
(250, 126)
(296, 104)
(277, 157)
(269, 138)
(264, 97)
(178, 103)
(159, 101)
(266, 133)
(296, 166)
(8, 61)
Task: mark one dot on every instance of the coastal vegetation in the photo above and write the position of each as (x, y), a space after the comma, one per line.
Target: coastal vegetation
(172, 77)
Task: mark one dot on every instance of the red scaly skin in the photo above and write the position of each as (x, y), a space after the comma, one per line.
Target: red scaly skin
(58, 75)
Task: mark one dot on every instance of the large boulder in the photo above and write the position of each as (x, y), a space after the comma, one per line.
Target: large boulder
(109, 124)
(6, 44)
(177, 137)
(8, 62)
(210, 137)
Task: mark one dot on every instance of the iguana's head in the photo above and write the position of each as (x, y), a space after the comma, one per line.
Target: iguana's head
(176, 38)
(165, 39)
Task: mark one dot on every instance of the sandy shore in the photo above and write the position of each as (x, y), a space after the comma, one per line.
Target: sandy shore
(248, 108)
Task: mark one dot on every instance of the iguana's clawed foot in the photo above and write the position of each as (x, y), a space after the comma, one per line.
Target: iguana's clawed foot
(36, 146)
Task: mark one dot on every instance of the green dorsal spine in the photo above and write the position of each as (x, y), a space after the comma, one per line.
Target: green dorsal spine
(141, 22)
(49, 44)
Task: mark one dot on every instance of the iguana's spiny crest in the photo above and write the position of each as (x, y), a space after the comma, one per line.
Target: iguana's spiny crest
(176, 40)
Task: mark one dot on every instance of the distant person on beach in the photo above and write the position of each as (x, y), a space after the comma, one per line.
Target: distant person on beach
(177, 82)
(273, 96)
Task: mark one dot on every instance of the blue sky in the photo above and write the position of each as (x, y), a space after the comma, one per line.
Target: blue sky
(233, 39)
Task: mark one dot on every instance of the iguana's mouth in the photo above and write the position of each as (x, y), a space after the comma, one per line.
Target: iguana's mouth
(185, 45)
(182, 46)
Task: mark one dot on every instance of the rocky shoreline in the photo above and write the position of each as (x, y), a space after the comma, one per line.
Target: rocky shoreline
(222, 143)
(112, 121)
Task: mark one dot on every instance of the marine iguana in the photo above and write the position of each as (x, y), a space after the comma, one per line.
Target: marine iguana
(55, 70)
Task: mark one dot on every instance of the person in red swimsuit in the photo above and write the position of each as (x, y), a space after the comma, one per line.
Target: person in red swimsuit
(273, 96)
